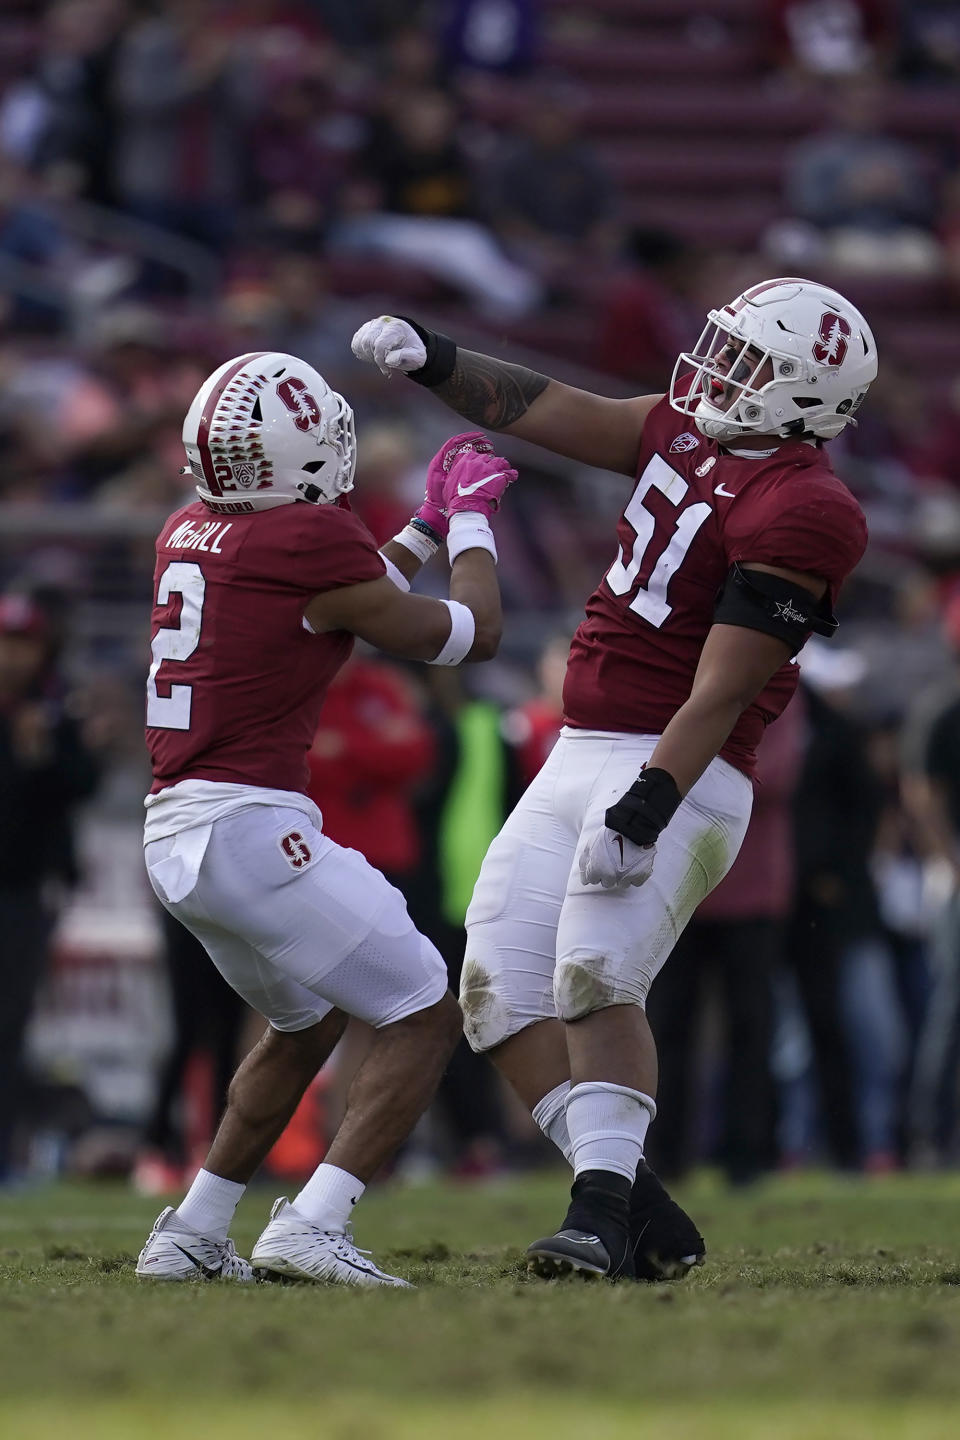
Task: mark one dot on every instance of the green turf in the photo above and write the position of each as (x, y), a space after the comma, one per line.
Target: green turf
(828, 1308)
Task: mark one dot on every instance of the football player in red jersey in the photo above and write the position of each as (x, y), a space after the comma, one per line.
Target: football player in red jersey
(731, 549)
(261, 585)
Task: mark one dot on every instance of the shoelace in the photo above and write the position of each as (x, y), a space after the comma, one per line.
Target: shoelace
(231, 1262)
(345, 1249)
(348, 1232)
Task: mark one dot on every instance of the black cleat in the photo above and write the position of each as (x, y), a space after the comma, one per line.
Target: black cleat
(595, 1236)
(567, 1252)
(665, 1242)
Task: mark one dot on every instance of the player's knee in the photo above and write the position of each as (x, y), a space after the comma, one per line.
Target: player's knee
(495, 1002)
(586, 981)
(485, 1014)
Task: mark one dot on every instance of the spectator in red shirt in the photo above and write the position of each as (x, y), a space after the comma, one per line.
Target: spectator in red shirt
(372, 749)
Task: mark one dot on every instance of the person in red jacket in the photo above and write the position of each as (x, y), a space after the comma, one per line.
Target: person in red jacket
(372, 748)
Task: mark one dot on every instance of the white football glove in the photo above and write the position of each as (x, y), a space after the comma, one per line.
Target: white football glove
(612, 861)
(390, 344)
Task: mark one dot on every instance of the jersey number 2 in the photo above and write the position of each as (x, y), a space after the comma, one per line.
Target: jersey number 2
(650, 600)
(185, 578)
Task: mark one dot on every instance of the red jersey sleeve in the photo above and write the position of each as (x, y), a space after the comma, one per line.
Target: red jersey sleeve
(818, 529)
(331, 548)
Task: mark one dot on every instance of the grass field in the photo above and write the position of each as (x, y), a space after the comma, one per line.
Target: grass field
(829, 1310)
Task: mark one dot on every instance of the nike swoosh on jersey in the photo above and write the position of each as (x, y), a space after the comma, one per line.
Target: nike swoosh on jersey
(477, 484)
(727, 494)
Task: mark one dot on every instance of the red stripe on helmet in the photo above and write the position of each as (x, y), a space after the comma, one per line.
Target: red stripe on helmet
(206, 419)
(766, 285)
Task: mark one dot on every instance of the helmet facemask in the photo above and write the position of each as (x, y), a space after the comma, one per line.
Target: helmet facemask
(733, 398)
(788, 358)
(340, 436)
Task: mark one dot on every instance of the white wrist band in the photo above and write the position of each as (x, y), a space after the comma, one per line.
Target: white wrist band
(397, 576)
(417, 543)
(470, 530)
(463, 631)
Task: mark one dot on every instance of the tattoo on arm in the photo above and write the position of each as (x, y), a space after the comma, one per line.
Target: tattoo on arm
(490, 392)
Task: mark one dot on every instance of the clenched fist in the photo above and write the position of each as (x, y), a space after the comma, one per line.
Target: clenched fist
(612, 861)
(390, 344)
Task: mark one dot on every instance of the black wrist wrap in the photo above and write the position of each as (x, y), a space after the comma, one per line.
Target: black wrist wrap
(646, 808)
(441, 356)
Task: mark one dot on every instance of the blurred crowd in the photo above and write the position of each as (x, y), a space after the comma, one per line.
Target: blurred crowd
(187, 180)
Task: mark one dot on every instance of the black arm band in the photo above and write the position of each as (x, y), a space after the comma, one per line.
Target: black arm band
(646, 808)
(757, 600)
(441, 356)
(432, 535)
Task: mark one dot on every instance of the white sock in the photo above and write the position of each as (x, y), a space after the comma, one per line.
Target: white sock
(608, 1125)
(209, 1204)
(328, 1197)
(550, 1114)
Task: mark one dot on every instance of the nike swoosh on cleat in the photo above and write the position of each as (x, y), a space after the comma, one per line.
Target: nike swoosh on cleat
(205, 1270)
(727, 494)
(469, 489)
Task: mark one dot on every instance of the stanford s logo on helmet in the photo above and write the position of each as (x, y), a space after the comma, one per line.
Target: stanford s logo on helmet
(295, 395)
(831, 348)
(265, 429)
(798, 360)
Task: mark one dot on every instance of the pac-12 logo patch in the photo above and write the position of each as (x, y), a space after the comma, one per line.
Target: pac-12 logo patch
(683, 443)
(295, 849)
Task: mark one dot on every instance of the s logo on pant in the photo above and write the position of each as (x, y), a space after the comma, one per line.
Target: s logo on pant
(295, 849)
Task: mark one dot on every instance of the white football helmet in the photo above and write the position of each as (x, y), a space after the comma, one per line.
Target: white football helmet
(799, 362)
(266, 429)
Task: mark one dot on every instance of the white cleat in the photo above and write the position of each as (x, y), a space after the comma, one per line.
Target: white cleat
(294, 1247)
(174, 1251)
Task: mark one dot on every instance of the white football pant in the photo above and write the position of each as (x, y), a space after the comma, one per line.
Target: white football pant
(295, 923)
(541, 944)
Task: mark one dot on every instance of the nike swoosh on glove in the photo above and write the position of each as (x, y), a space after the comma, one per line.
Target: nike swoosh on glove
(434, 507)
(390, 344)
(612, 861)
(475, 480)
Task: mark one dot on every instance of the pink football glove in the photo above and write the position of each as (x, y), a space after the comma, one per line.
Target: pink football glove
(433, 510)
(473, 477)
